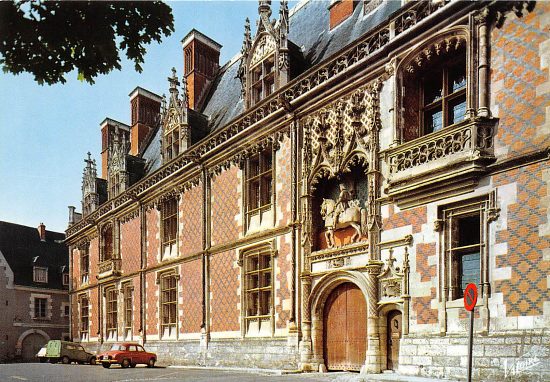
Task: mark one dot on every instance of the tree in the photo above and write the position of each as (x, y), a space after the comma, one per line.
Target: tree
(50, 39)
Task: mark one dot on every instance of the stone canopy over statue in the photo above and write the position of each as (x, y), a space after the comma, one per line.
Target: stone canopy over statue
(344, 212)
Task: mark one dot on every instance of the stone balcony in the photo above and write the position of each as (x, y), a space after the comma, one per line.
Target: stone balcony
(109, 268)
(442, 164)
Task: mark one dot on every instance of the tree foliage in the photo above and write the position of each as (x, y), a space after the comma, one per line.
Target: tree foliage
(51, 39)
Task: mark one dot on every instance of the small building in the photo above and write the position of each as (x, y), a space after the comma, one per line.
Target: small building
(34, 290)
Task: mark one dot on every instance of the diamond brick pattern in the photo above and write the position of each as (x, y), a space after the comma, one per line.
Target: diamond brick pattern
(427, 272)
(225, 206)
(414, 217)
(283, 181)
(224, 282)
(152, 304)
(130, 245)
(284, 268)
(421, 306)
(153, 236)
(191, 291)
(136, 295)
(93, 329)
(516, 61)
(527, 289)
(190, 240)
(75, 274)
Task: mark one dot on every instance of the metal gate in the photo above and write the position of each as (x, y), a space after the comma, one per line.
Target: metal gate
(345, 323)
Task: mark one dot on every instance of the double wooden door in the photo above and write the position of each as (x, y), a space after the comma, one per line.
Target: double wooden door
(345, 328)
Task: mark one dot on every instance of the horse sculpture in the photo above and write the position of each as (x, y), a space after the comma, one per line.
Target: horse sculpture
(336, 217)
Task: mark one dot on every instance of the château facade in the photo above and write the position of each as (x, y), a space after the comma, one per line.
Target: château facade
(321, 201)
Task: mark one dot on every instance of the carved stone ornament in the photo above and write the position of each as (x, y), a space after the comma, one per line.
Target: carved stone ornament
(339, 262)
(338, 136)
(391, 279)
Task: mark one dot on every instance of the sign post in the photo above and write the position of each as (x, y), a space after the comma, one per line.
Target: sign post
(470, 299)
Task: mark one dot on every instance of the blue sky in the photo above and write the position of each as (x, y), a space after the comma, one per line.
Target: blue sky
(46, 131)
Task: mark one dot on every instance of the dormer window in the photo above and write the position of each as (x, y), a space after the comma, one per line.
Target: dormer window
(263, 79)
(40, 274)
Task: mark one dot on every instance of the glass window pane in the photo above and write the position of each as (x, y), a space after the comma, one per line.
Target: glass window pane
(470, 271)
(457, 77)
(433, 120)
(457, 110)
(433, 87)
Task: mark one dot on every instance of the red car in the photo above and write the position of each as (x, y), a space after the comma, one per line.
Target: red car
(127, 354)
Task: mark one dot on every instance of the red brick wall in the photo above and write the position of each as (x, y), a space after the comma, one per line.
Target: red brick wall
(93, 313)
(136, 304)
(422, 305)
(153, 236)
(224, 282)
(225, 206)
(191, 204)
(527, 290)
(130, 245)
(283, 277)
(414, 217)
(516, 74)
(152, 304)
(283, 181)
(94, 259)
(341, 11)
(75, 274)
(191, 287)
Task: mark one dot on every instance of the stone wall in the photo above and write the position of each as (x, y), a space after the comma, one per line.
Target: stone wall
(504, 356)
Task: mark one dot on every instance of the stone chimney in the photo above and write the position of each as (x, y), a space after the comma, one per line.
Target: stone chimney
(201, 60)
(108, 129)
(42, 232)
(340, 10)
(145, 109)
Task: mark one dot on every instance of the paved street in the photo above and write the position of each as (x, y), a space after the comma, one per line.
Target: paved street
(37, 372)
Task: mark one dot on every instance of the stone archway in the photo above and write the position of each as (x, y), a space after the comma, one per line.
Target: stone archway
(320, 296)
(30, 342)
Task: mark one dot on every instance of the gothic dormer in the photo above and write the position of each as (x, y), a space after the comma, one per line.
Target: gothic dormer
(90, 195)
(118, 179)
(176, 136)
(265, 63)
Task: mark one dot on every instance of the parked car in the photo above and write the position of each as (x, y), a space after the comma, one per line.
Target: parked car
(127, 354)
(66, 352)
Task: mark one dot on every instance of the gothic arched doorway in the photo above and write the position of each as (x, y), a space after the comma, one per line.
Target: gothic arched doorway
(345, 328)
(394, 337)
(31, 345)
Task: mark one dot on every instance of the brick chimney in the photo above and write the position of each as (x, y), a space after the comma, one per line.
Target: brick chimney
(201, 60)
(340, 10)
(108, 128)
(145, 109)
(42, 232)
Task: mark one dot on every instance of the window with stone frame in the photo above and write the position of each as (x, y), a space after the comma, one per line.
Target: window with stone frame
(259, 183)
(258, 289)
(84, 318)
(262, 76)
(84, 263)
(435, 89)
(168, 305)
(66, 278)
(465, 242)
(40, 274)
(107, 243)
(40, 307)
(111, 310)
(128, 310)
(169, 228)
(171, 143)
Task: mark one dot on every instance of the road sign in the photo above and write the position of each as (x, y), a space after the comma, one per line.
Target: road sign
(470, 297)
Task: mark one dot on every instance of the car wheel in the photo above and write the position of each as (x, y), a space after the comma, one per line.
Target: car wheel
(65, 360)
(151, 363)
(132, 365)
(125, 363)
(92, 361)
(106, 365)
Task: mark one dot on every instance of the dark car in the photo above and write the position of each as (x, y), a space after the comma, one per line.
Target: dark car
(127, 354)
(66, 352)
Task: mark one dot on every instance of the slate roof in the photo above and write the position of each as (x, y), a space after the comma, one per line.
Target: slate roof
(20, 245)
(308, 30)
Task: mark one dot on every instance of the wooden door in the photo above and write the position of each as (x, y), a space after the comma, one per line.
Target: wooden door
(394, 337)
(345, 328)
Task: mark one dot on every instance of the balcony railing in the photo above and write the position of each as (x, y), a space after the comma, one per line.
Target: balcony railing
(109, 268)
(452, 154)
